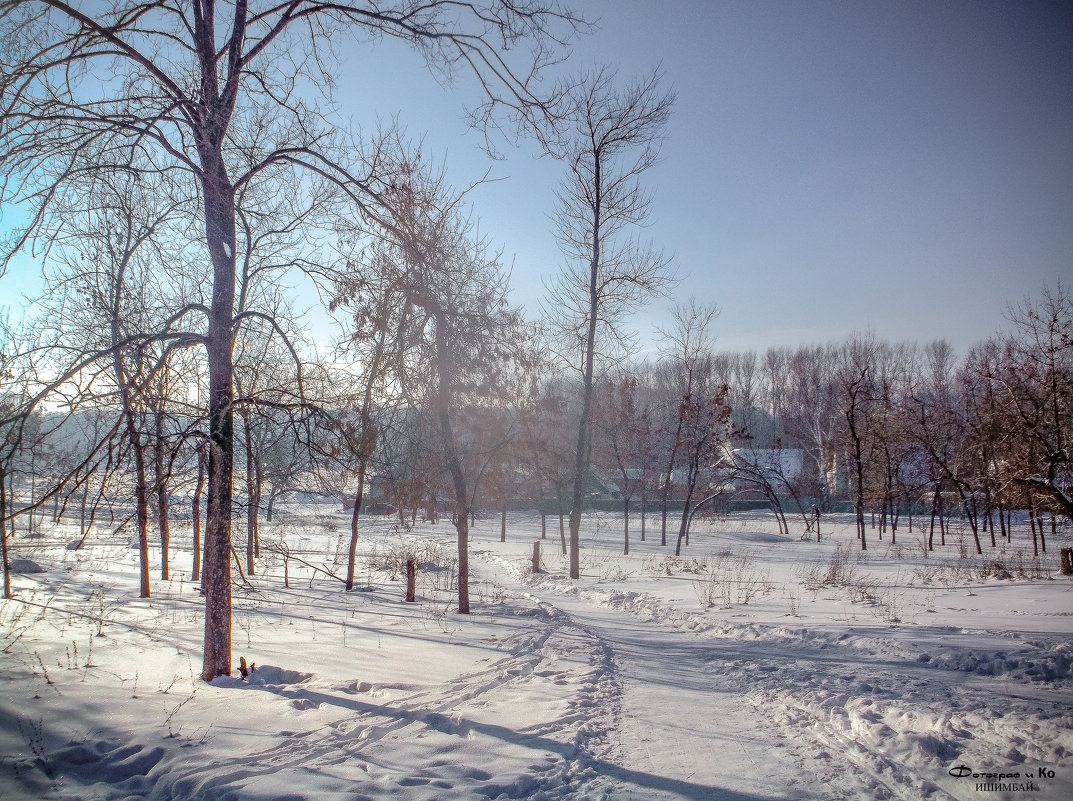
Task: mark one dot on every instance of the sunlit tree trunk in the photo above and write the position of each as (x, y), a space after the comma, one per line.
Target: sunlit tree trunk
(160, 481)
(195, 513)
(219, 215)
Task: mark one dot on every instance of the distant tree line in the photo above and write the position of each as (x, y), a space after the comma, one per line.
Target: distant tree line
(891, 429)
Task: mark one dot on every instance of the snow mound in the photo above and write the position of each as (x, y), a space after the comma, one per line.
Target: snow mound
(25, 566)
(263, 676)
(1042, 663)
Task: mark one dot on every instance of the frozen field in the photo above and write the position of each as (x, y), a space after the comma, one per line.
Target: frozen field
(756, 666)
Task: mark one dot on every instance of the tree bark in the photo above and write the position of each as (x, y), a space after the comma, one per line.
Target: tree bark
(352, 552)
(161, 487)
(219, 214)
(195, 512)
(411, 580)
(252, 500)
(644, 504)
(141, 501)
(3, 536)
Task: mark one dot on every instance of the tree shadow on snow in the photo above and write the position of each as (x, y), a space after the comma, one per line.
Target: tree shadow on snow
(455, 725)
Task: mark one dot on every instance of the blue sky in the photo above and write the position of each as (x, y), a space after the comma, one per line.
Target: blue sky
(903, 167)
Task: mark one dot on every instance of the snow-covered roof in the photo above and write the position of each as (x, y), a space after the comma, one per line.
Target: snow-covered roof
(784, 461)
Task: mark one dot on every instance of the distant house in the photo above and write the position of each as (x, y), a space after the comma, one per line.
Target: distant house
(783, 464)
(757, 473)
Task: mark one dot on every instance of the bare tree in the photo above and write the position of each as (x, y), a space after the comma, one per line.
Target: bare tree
(894, 371)
(1034, 380)
(768, 470)
(941, 425)
(809, 414)
(857, 399)
(457, 342)
(624, 430)
(106, 299)
(182, 77)
(701, 417)
(615, 138)
(372, 301)
(687, 356)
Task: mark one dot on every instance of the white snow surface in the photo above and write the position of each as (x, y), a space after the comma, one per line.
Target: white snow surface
(755, 666)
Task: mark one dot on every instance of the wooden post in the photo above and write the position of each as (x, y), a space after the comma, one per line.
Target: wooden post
(536, 556)
(411, 580)
(1067, 561)
(503, 525)
(543, 526)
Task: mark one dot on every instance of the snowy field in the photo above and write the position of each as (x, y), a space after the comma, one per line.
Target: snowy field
(756, 666)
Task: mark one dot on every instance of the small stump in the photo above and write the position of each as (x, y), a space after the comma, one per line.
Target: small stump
(411, 580)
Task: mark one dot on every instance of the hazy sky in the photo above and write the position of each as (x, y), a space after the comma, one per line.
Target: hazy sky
(904, 167)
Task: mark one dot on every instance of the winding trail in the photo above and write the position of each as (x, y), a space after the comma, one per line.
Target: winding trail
(653, 750)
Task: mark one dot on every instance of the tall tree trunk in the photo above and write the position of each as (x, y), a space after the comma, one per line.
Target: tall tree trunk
(584, 435)
(82, 510)
(970, 514)
(195, 512)
(669, 480)
(219, 199)
(252, 500)
(935, 508)
(366, 448)
(581, 468)
(31, 525)
(259, 477)
(141, 501)
(691, 482)
(161, 488)
(858, 502)
(644, 505)
(11, 503)
(141, 489)
(454, 463)
(352, 552)
(3, 536)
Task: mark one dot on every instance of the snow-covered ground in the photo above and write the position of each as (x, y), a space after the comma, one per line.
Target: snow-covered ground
(755, 666)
